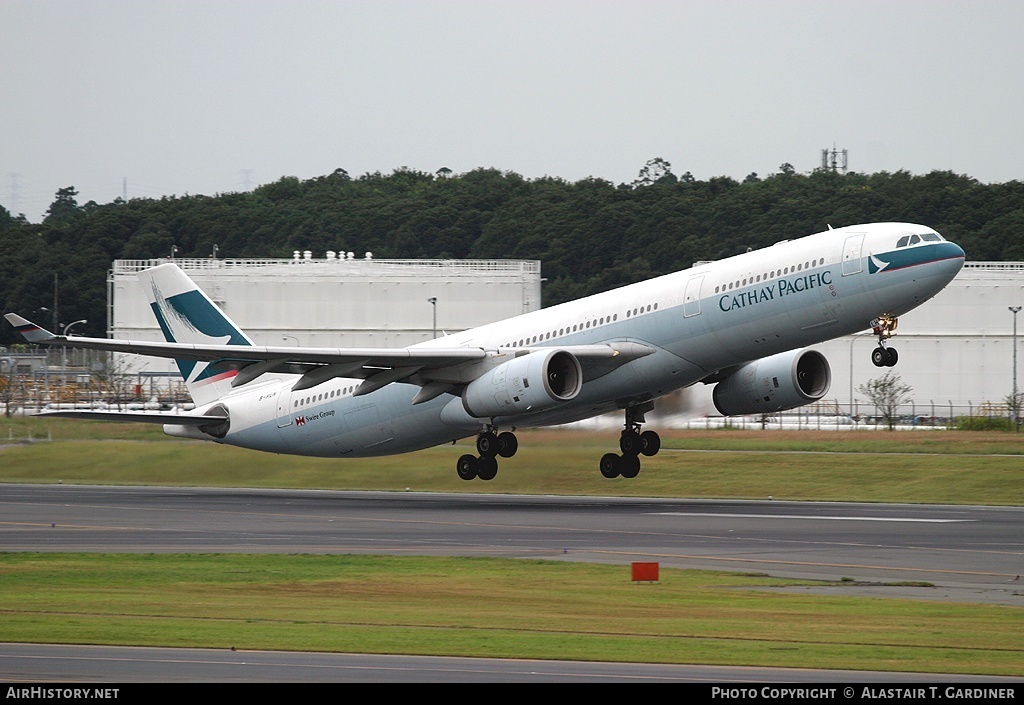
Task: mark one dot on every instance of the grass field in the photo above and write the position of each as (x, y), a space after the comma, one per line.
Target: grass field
(489, 607)
(942, 467)
(514, 608)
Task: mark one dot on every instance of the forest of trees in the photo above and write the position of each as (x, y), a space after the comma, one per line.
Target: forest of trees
(590, 235)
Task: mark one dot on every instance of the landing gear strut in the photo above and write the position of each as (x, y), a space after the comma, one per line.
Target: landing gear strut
(884, 327)
(489, 445)
(633, 444)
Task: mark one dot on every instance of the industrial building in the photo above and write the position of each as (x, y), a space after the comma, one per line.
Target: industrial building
(337, 301)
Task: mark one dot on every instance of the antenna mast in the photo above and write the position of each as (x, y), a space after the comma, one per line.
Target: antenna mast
(833, 159)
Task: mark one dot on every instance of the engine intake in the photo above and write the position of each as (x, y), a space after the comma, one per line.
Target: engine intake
(533, 382)
(776, 383)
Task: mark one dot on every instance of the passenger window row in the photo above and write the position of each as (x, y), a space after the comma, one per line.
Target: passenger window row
(769, 275)
(577, 327)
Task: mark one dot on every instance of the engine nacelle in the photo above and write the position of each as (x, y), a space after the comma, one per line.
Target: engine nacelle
(776, 383)
(533, 382)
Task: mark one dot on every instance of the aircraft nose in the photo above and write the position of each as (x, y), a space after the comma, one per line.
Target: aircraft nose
(945, 263)
(953, 253)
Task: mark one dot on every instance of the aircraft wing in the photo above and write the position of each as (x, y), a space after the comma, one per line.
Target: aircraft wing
(436, 369)
(383, 357)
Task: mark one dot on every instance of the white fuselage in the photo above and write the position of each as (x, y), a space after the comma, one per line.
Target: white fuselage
(698, 321)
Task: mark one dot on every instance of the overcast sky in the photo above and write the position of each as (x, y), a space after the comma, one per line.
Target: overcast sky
(176, 97)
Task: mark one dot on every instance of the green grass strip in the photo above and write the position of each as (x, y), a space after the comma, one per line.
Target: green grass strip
(489, 607)
(961, 468)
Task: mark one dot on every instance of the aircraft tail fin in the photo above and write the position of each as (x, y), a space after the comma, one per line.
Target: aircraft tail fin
(187, 315)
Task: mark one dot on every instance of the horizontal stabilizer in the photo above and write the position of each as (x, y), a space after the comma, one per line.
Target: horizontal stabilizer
(138, 417)
(32, 332)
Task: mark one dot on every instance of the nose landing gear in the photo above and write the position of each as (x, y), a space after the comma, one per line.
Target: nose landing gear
(884, 327)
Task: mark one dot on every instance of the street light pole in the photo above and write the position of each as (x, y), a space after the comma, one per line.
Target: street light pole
(1015, 310)
(64, 361)
(73, 323)
(433, 302)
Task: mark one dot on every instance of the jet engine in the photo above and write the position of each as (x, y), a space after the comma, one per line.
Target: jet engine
(539, 380)
(776, 383)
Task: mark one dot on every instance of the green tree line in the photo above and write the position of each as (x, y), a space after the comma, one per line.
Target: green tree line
(590, 235)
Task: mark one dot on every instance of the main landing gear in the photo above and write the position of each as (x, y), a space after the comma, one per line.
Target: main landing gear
(489, 445)
(633, 444)
(883, 327)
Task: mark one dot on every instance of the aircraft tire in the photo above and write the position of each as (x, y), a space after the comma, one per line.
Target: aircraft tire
(650, 443)
(487, 445)
(467, 467)
(630, 466)
(879, 356)
(630, 444)
(891, 357)
(610, 464)
(508, 444)
(486, 468)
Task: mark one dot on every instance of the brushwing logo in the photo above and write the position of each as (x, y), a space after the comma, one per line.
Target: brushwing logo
(876, 265)
(182, 318)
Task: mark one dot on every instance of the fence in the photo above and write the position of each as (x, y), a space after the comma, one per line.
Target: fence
(831, 415)
(37, 378)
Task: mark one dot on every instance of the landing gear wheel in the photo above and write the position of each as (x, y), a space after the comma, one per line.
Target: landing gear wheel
(610, 465)
(508, 444)
(650, 443)
(486, 468)
(884, 327)
(487, 444)
(630, 444)
(630, 466)
(879, 356)
(467, 467)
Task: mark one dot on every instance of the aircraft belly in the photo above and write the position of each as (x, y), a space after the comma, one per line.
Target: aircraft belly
(735, 336)
(645, 378)
(385, 422)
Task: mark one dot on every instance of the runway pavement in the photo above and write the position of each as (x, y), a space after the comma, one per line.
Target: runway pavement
(53, 664)
(913, 551)
(965, 553)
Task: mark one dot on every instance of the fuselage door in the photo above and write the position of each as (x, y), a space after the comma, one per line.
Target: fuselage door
(284, 411)
(691, 303)
(852, 249)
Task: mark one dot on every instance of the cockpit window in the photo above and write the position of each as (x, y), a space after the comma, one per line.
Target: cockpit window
(915, 239)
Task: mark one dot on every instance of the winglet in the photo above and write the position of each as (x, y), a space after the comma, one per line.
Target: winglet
(32, 332)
